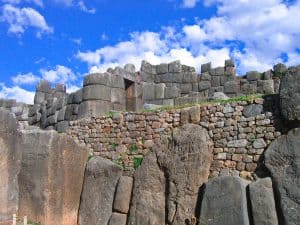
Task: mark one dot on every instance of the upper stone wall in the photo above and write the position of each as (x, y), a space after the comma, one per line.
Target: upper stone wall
(124, 89)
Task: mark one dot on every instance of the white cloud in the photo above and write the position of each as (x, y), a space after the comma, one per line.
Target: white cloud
(28, 78)
(189, 3)
(20, 94)
(19, 19)
(60, 74)
(84, 8)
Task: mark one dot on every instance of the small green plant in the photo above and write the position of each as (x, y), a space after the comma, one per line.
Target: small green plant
(90, 156)
(133, 148)
(110, 114)
(114, 146)
(137, 161)
(33, 223)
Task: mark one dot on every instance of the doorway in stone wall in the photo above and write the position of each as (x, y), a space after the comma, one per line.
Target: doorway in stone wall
(129, 90)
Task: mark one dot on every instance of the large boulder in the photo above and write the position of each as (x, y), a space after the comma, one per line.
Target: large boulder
(185, 159)
(282, 158)
(224, 202)
(290, 94)
(148, 196)
(10, 155)
(100, 182)
(51, 177)
(262, 202)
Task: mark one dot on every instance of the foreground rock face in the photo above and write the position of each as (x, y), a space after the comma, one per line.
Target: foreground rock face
(148, 199)
(262, 202)
(100, 182)
(282, 158)
(9, 164)
(186, 160)
(51, 177)
(290, 94)
(224, 202)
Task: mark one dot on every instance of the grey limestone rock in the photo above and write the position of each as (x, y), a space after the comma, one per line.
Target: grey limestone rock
(253, 75)
(148, 196)
(162, 68)
(205, 67)
(100, 182)
(282, 158)
(253, 110)
(224, 202)
(185, 159)
(95, 108)
(175, 67)
(219, 96)
(10, 157)
(290, 95)
(51, 177)
(97, 78)
(231, 87)
(262, 202)
(123, 194)
(96, 92)
(118, 219)
(130, 68)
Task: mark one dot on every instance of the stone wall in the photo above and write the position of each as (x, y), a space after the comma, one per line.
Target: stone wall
(241, 131)
(124, 89)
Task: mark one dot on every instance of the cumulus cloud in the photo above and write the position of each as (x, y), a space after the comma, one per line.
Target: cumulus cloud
(60, 74)
(16, 92)
(256, 34)
(189, 3)
(85, 9)
(19, 19)
(28, 78)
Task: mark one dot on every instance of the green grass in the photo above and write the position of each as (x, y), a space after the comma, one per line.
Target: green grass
(204, 103)
(133, 148)
(33, 223)
(137, 161)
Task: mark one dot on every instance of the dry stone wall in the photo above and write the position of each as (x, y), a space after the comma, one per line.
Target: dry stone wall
(241, 131)
(124, 89)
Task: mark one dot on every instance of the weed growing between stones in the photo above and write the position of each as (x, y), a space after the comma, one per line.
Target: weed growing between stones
(137, 161)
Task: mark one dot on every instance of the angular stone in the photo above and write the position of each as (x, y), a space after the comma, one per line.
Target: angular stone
(253, 75)
(224, 202)
(162, 68)
(118, 96)
(148, 196)
(205, 67)
(118, 219)
(237, 143)
(279, 69)
(265, 86)
(282, 158)
(231, 87)
(185, 159)
(248, 89)
(175, 67)
(97, 79)
(204, 85)
(100, 182)
(219, 96)
(130, 68)
(252, 110)
(262, 202)
(215, 81)
(290, 95)
(186, 88)
(10, 157)
(229, 63)
(172, 92)
(96, 92)
(95, 108)
(259, 143)
(117, 81)
(148, 91)
(123, 194)
(160, 91)
(44, 86)
(148, 68)
(51, 177)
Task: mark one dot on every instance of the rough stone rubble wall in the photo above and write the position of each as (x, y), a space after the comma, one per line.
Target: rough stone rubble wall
(241, 132)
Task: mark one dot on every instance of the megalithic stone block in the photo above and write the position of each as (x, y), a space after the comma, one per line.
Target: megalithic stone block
(263, 203)
(224, 202)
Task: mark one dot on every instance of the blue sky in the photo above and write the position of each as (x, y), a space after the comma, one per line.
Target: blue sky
(62, 40)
